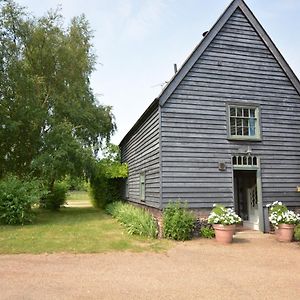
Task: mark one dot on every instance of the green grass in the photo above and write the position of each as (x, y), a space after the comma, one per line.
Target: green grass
(135, 219)
(74, 230)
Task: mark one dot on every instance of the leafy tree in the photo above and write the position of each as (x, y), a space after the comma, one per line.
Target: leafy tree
(51, 122)
(108, 177)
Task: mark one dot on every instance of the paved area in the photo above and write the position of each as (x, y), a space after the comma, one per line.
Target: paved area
(255, 266)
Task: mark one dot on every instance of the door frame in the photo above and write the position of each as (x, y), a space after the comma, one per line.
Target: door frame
(257, 168)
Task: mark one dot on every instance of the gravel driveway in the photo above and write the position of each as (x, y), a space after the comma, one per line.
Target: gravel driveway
(255, 266)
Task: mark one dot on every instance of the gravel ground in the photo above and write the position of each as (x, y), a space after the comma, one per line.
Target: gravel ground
(255, 266)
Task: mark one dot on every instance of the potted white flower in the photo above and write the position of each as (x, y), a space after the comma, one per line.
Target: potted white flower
(223, 220)
(283, 220)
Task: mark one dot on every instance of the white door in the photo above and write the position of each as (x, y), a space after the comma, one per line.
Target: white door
(253, 220)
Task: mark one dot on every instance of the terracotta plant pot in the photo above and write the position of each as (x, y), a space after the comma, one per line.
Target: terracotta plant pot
(285, 232)
(224, 233)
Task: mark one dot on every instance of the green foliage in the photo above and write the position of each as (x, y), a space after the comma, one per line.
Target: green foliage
(108, 178)
(110, 165)
(297, 233)
(178, 222)
(76, 183)
(17, 198)
(279, 214)
(277, 208)
(136, 220)
(62, 154)
(207, 232)
(105, 190)
(51, 122)
(222, 215)
(55, 198)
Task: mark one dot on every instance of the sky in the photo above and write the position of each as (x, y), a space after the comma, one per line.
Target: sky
(137, 42)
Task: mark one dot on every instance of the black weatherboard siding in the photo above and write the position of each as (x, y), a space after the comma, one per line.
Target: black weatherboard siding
(140, 149)
(237, 67)
(180, 141)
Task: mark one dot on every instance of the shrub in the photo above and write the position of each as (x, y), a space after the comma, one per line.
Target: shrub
(55, 198)
(105, 190)
(178, 222)
(17, 198)
(136, 220)
(207, 232)
(107, 179)
(297, 233)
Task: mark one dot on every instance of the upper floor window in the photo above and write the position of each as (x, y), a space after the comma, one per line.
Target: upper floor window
(243, 122)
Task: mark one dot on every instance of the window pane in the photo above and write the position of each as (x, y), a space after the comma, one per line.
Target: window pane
(252, 123)
(239, 122)
(246, 112)
(232, 111)
(245, 131)
(252, 113)
(254, 161)
(232, 126)
(239, 160)
(233, 130)
(239, 112)
(234, 160)
(239, 126)
(250, 160)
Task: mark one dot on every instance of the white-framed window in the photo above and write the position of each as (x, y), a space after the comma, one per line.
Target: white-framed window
(243, 122)
(142, 186)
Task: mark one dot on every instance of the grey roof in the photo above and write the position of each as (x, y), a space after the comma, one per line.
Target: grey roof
(201, 47)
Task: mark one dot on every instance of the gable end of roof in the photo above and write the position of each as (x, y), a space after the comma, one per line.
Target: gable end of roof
(201, 47)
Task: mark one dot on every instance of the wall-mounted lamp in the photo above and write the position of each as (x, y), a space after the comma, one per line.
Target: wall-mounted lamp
(222, 166)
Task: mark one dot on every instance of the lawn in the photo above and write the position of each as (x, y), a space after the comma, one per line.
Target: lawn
(74, 230)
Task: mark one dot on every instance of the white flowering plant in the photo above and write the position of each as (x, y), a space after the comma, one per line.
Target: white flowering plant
(222, 215)
(279, 214)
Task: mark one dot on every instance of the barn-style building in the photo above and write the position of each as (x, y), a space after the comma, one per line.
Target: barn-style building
(226, 129)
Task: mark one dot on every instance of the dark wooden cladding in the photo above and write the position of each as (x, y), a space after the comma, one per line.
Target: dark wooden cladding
(141, 151)
(183, 136)
(236, 67)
